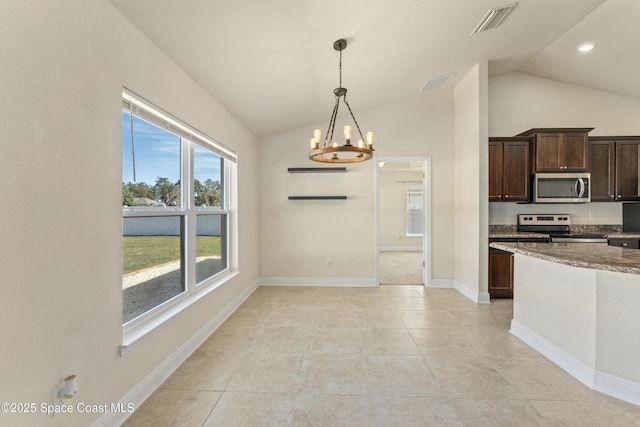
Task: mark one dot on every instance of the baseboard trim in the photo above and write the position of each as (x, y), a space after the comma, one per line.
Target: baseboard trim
(477, 297)
(617, 387)
(400, 249)
(442, 283)
(484, 298)
(151, 382)
(602, 382)
(318, 281)
(577, 368)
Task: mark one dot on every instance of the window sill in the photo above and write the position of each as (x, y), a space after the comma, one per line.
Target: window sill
(138, 333)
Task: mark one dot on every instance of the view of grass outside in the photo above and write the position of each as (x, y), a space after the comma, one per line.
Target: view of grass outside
(142, 252)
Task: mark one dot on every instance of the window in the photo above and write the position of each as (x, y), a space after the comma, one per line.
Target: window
(414, 211)
(176, 200)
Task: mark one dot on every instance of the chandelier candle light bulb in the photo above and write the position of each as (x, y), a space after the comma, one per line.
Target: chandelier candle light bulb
(369, 136)
(347, 135)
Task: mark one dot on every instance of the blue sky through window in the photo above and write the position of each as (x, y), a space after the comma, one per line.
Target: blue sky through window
(157, 154)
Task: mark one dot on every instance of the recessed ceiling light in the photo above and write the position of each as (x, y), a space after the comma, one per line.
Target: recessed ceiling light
(586, 47)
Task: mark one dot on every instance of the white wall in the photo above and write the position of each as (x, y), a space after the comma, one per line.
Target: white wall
(393, 209)
(518, 102)
(471, 183)
(63, 67)
(297, 238)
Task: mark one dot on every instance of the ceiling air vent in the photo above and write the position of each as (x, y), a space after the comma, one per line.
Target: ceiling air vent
(436, 82)
(493, 18)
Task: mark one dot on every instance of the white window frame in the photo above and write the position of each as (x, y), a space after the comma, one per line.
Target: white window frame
(139, 328)
(414, 190)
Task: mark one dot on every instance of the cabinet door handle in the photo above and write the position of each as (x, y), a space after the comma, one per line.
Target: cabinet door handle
(625, 244)
(612, 196)
(506, 196)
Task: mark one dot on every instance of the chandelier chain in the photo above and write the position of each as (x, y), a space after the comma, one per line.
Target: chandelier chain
(328, 139)
(340, 69)
(353, 117)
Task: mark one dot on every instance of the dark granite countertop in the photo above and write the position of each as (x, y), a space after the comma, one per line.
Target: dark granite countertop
(624, 235)
(613, 231)
(517, 235)
(598, 256)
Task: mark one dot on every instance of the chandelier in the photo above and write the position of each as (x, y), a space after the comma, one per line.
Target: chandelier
(331, 151)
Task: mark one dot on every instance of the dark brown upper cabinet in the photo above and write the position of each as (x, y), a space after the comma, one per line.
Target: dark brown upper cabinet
(615, 168)
(509, 179)
(602, 158)
(559, 149)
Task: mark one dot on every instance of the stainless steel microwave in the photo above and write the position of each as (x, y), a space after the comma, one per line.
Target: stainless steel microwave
(561, 187)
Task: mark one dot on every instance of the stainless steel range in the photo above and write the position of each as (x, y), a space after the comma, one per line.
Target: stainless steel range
(558, 227)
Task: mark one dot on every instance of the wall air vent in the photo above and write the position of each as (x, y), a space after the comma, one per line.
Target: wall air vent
(437, 82)
(493, 18)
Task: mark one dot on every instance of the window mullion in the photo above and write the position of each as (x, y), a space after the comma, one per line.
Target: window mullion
(190, 217)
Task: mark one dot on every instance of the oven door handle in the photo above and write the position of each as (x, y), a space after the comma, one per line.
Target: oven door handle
(580, 182)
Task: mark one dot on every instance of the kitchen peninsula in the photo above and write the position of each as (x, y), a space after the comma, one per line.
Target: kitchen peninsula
(579, 305)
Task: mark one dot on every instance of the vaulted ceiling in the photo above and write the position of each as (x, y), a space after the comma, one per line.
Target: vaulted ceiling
(271, 63)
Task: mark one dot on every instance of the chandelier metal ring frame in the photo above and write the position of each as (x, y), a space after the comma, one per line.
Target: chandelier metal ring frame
(346, 153)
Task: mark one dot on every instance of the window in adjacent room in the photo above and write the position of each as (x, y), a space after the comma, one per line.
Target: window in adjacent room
(414, 211)
(176, 211)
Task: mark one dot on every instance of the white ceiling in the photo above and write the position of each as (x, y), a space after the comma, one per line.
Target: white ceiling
(273, 66)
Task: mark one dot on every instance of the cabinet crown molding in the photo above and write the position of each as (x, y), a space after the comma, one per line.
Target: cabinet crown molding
(554, 130)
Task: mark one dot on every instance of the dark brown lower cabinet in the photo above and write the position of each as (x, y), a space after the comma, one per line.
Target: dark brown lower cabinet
(500, 273)
(501, 266)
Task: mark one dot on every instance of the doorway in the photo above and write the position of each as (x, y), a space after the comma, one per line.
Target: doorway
(403, 237)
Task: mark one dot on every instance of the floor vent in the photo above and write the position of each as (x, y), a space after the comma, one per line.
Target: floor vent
(437, 82)
(493, 18)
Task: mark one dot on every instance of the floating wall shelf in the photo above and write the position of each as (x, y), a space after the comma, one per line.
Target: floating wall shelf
(316, 170)
(317, 197)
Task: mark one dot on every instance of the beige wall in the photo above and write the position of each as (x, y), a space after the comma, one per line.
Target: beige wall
(519, 101)
(393, 209)
(471, 172)
(63, 67)
(617, 315)
(297, 238)
(583, 320)
(557, 302)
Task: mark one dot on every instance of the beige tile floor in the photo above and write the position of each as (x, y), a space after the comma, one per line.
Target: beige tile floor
(388, 356)
(400, 268)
